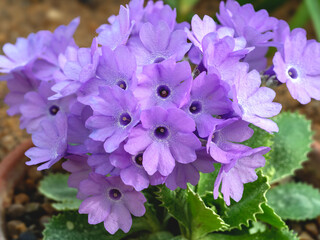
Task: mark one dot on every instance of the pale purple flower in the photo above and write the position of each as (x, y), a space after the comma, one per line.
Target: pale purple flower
(256, 27)
(19, 83)
(156, 43)
(36, 107)
(238, 172)
(50, 141)
(166, 137)
(132, 172)
(223, 141)
(118, 31)
(78, 65)
(166, 84)
(115, 113)
(111, 202)
(184, 173)
(298, 66)
(207, 98)
(252, 102)
(116, 67)
(79, 169)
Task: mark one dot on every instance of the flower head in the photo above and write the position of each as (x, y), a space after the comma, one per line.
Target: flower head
(110, 201)
(166, 137)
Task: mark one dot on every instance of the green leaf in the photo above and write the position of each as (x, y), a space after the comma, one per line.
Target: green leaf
(260, 138)
(296, 201)
(269, 234)
(291, 145)
(314, 10)
(270, 217)
(71, 226)
(301, 17)
(55, 187)
(188, 208)
(239, 214)
(160, 236)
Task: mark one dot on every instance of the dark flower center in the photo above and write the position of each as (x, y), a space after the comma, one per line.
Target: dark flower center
(158, 59)
(53, 110)
(163, 91)
(161, 132)
(125, 119)
(293, 73)
(122, 84)
(195, 107)
(138, 159)
(115, 194)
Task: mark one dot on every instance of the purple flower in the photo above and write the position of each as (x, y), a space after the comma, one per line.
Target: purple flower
(238, 172)
(77, 67)
(115, 114)
(50, 141)
(207, 98)
(110, 201)
(156, 43)
(220, 58)
(132, 172)
(297, 66)
(256, 27)
(19, 83)
(36, 107)
(200, 28)
(115, 67)
(166, 84)
(79, 169)
(252, 102)
(165, 136)
(223, 139)
(183, 173)
(117, 33)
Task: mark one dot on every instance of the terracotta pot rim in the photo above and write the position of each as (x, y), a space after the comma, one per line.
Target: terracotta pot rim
(12, 169)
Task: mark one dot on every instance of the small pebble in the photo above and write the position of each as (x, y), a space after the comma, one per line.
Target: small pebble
(48, 208)
(312, 228)
(15, 210)
(27, 236)
(44, 220)
(297, 227)
(305, 236)
(21, 198)
(30, 183)
(16, 227)
(32, 207)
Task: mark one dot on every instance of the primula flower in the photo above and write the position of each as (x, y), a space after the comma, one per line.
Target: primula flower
(19, 83)
(78, 65)
(132, 172)
(50, 141)
(110, 201)
(36, 107)
(117, 32)
(223, 140)
(115, 114)
(252, 102)
(298, 66)
(156, 43)
(165, 136)
(116, 67)
(39, 52)
(207, 98)
(166, 84)
(184, 173)
(239, 171)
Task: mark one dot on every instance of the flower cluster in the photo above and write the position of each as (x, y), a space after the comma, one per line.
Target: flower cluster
(153, 101)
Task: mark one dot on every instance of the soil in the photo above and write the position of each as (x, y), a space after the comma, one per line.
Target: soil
(29, 210)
